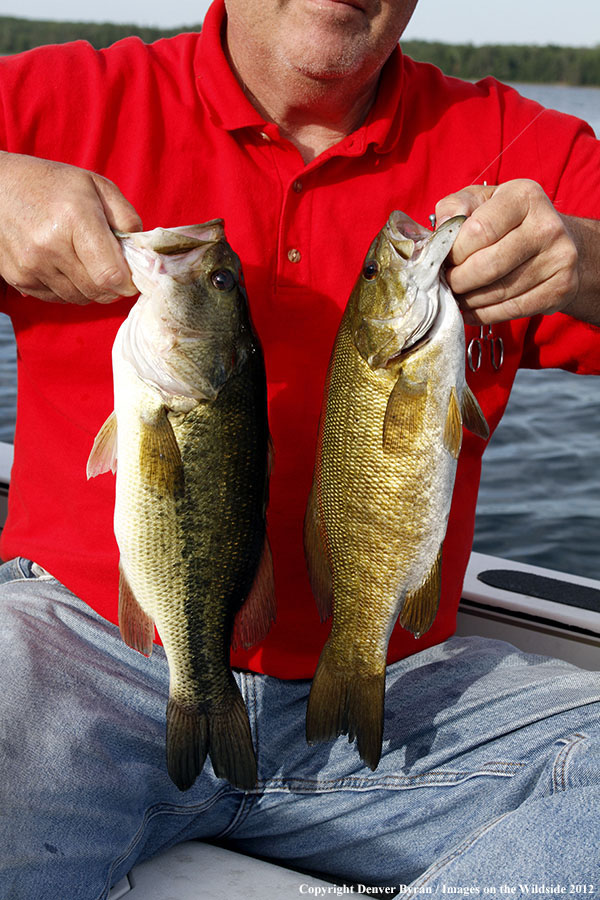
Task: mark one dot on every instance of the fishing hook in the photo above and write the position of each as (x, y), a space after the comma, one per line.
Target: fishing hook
(476, 345)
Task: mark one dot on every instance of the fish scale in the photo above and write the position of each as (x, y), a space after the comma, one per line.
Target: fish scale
(368, 500)
(190, 436)
(394, 400)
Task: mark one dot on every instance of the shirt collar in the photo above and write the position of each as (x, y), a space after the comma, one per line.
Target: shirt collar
(227, 105)
(230, 109)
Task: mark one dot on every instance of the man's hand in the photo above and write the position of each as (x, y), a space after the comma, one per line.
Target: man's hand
(56, 241)
(516, 256)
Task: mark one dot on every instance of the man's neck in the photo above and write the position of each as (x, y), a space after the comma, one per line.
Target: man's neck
(313, 114)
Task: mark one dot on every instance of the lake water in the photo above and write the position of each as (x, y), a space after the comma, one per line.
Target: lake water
(539, 500)
(540, 493)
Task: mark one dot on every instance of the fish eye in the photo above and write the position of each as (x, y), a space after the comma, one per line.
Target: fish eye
(370, 269)
(223, 279)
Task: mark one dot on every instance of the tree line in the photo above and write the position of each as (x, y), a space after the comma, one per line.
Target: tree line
(512, 62)
(17, 34)
(543, 64)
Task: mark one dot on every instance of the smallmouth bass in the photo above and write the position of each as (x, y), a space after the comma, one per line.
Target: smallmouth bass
(190, 443)
(394, 404)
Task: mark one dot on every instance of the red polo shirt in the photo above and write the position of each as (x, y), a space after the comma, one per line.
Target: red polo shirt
(169, 124)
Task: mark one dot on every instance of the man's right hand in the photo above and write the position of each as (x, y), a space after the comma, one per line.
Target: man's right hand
(56, 241)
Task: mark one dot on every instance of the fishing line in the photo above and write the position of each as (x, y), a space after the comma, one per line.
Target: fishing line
(504, 149)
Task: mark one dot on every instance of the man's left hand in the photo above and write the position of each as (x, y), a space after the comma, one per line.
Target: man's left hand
(516, 256)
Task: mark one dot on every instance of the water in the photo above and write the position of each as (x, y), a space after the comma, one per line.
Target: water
(539, 500)
(8, 380)
(540, 493)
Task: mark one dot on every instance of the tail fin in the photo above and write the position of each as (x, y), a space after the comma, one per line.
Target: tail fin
(230, 743)
(223, 733)
(344, 702)
(187, 744)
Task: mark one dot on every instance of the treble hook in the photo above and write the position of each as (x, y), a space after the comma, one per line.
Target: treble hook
(475, 349)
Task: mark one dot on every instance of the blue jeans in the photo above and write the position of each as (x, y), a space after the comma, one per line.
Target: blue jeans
(489, 775)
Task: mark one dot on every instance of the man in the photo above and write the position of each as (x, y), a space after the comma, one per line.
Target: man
(301, 124)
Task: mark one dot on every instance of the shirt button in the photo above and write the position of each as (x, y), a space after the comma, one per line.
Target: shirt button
(265, 136)
(294, 255)
(297, 186)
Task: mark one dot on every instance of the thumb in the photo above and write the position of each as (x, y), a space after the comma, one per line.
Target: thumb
(120, 214)
(463, 203)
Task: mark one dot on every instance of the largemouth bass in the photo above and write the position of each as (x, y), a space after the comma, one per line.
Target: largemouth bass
(190, 434)
(394, 403)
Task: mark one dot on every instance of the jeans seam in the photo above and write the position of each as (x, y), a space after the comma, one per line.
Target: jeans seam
(561, 763)
(157, 810)
(440, 864)
(391, 782)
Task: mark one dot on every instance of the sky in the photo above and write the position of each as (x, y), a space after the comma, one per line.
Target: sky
(453, 21)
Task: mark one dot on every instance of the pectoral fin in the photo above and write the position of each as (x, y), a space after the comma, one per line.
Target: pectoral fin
(473, 418)
(403, 413)
(253, 620)
(136, 626)
(420, 606)
(453, 426)
(160, 457)
(103, 456)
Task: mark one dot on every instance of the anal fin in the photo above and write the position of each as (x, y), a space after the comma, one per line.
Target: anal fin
(253, 620)
(472, 415)
(136, 626)
(420, 606)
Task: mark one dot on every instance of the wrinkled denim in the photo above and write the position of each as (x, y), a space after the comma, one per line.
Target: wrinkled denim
(489, 774)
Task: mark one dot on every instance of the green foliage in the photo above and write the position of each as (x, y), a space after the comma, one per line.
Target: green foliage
(17, 35)
(512, 62)
(546, 64)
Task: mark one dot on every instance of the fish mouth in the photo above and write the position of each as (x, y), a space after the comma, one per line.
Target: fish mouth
(419, 253)
(168, 241)
(175, 252)
(421, 247)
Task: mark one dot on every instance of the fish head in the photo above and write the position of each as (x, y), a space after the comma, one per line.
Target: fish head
(395, 301)
(191, 274)
(190, 327)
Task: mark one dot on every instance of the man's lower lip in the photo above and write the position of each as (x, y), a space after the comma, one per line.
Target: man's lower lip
(349, 3)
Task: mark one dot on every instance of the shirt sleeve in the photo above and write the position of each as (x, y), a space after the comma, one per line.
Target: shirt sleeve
(559, 341)
(46, 99)
(561, 153)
